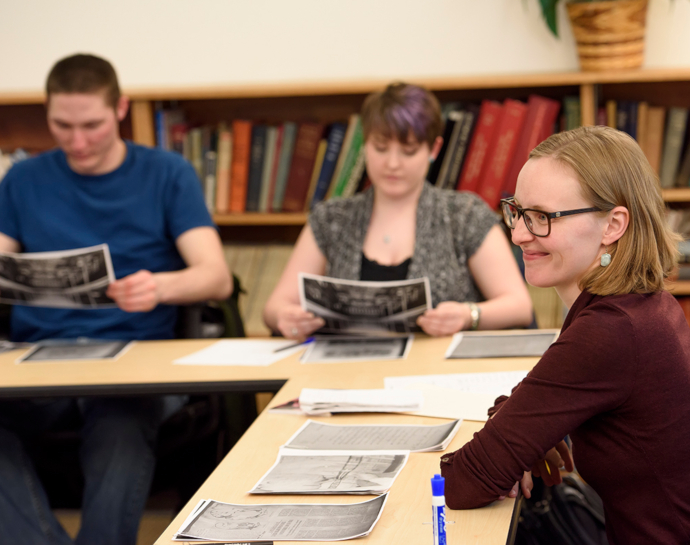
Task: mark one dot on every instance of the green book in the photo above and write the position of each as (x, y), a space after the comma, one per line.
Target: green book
(350, 159)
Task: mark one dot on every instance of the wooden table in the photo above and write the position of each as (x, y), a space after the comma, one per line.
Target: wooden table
(147, 368)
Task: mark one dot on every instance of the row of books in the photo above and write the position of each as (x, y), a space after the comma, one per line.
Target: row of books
(247, 166)
(252, 166)
(661, 132)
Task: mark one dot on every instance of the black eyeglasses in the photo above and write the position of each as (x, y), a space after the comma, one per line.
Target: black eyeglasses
(538, 222)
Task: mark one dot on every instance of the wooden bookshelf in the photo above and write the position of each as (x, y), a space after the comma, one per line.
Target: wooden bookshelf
(676, 194)
(679, 287)
(256, 218)
(22, 114)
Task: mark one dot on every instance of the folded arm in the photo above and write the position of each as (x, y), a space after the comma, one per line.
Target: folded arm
(583, 374)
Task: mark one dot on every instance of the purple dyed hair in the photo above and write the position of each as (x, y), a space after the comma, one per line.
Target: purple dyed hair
(400, 111)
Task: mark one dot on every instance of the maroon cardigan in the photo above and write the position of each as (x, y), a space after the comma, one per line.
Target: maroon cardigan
(618, 381)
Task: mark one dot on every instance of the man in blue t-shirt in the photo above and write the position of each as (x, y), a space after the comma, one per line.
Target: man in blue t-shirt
(147, 205)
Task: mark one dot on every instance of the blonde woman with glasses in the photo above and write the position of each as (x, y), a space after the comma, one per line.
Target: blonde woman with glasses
(589, 218)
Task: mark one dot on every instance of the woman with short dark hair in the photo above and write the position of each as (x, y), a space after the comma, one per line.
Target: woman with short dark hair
(403, 227)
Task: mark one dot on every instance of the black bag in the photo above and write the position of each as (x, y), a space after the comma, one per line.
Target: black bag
(570, 513)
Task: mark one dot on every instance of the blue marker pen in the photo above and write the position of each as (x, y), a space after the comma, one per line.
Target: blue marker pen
(438, 509)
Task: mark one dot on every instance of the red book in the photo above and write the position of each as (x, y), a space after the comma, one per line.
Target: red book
(489, 113)
(274, 169)
(539, 121)
(239, 168)
(501, 150)
(306, 147)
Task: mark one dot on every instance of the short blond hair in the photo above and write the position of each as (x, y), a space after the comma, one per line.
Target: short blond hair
(613, 171)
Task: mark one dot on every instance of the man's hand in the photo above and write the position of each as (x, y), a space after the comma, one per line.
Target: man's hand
(137, 292)
(296, 323)
(447, 318)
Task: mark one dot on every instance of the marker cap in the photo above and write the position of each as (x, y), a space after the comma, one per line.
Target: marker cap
(438, 484)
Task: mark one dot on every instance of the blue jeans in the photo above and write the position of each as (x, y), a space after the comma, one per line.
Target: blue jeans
(117, 460)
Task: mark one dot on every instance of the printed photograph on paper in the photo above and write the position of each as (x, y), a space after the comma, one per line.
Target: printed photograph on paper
(339, 349)
(319, 436)
(70, 279)
(311, 472)
(365, 308)
(218, 521)
(497, 345)
(75, 350)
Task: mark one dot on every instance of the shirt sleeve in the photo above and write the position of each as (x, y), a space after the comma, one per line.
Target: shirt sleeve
(474, 221)
(590, 369)
(185, 204)
(9, 220)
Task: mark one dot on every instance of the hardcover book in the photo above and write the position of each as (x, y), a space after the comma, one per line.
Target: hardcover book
(501, 151)
(489, 114)
(284, 161)
(335, 143)
(256, 167)
(303, 158)
(239, 167)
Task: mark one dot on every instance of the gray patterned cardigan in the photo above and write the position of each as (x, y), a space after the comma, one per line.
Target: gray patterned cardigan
(451, 226)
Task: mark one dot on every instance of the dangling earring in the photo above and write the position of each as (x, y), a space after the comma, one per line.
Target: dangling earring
(606, 258)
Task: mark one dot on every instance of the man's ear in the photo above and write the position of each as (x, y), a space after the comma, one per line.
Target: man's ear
(122, 107)
(616, 225)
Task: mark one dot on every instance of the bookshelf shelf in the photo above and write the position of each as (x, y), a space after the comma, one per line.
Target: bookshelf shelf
(679, 287)
(258, 219)
(678, 194)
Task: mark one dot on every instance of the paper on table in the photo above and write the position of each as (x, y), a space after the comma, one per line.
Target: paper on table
(479, 344)
(217, 521)
(449, 403)
(500, 383)
(339, 349)
(332, 472)
(313, 400)
(318, 436)
(256, 353)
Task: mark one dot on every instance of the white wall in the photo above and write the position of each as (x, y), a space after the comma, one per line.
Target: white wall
(162, 43)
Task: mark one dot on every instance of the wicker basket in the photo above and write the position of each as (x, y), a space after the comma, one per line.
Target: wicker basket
(609, 34)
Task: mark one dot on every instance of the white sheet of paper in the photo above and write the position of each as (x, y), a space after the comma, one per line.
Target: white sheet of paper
(351, 400)
(254, 353)
(499, 383)
(449, 403)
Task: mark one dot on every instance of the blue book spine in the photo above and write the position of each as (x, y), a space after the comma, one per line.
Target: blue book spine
(160, 128)
(335, 142)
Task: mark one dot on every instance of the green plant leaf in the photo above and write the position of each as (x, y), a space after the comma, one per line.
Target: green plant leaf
(548, 10)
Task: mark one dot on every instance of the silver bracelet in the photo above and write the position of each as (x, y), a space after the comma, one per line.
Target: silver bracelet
(475, 312)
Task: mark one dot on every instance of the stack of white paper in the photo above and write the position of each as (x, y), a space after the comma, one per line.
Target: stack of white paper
(317, 401)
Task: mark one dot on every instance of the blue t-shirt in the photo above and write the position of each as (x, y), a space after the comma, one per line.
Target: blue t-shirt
(139, 210)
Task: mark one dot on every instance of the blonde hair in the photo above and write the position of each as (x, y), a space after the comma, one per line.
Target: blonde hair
(613, 171)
